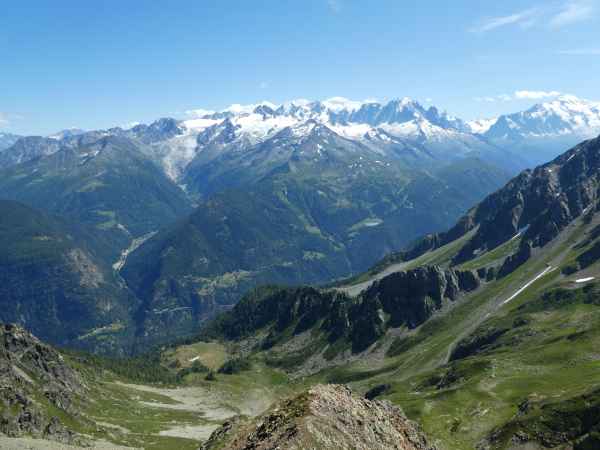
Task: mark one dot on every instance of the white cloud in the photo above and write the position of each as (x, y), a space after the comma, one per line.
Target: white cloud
(335, 6)
(518, 95)
(524, 18)
(197, 113)
(3, 120)
(551, 14)
(535, 95)
(573, 11)
(581, 52)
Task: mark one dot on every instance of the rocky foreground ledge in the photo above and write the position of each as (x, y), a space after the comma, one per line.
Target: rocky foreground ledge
(33, 377)
(324, 417)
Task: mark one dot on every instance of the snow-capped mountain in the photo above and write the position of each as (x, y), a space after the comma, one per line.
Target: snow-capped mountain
(401, 128)
(481, 126)
(565, 115)
(543, 131)
(27, 148)
(385, 128)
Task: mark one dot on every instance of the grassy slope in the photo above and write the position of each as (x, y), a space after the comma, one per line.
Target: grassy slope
(547, 354)
(150, 415)
(540, 360)
(540, 357)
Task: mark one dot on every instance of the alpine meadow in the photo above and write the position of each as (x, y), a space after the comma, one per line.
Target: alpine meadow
(302, 269)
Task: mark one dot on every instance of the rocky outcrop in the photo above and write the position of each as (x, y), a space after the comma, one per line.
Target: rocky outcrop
(406, 298)
(325, 417)
(573, 423)
(477, 342)
(517, 259)
(410, 297)
(538, 203)
(32, 377)
(589, 257)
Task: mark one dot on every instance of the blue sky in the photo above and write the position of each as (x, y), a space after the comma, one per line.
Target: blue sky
(105, 63)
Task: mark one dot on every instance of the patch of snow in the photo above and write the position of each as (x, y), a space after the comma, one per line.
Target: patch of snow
(584, 280)
(257, 128)
(303, 129)
(480, 126)
(198, 125)
(352, 130)
(526, 285)
(178, 153)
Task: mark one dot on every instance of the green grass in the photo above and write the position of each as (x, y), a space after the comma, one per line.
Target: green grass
(121, 406)
(213, 355)
(440, 256)
(495, 255)
(551, 355)
(548, 354)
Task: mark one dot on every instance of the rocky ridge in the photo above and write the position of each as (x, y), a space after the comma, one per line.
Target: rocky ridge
(402, 299)
(33, 376)
(325, 417)
(535, 206)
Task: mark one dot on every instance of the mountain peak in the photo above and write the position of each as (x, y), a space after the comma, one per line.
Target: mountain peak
(238, 108)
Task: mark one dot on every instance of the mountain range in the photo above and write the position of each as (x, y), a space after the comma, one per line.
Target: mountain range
(192, 214)
(395, 127)
(485, 334)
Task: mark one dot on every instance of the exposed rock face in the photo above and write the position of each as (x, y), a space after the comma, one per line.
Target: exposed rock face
(325, 417)
(410, 297)
(573, 423)
(515, 260)
(537, 204)
(26, 149)
(402, 298)
(477, 342)
(30, 369)
(590, 256)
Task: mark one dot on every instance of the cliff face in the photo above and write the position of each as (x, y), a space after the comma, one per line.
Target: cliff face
(405, 298)
(537, 204)
(33, 377)
(410, 297)
(325, 417)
